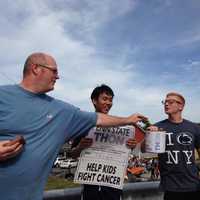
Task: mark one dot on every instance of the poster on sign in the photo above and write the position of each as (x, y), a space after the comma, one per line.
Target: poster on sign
(105, 162)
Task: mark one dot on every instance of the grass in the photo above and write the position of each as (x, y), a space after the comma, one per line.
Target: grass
(59, 183)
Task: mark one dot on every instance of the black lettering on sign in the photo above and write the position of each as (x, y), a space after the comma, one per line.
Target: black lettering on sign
(114, 130)
(93, 167)
(109, 169)
(109, 138)
(108, 179)
(86, 176)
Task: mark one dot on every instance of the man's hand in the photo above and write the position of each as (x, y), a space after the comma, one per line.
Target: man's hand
(149, 130)
(131, 143)
(154, 128)
(11, 148)
(85, 143)
(136, 118)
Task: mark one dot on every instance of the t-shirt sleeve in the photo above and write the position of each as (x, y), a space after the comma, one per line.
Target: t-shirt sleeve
(81, 122)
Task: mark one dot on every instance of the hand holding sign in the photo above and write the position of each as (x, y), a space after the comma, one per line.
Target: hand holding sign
(131, 143)
(85, 143)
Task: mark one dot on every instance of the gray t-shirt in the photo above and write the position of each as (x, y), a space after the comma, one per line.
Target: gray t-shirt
(177, 165)
(45, 123)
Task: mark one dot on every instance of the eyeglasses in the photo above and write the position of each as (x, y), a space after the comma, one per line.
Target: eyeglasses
(55, 71)
(170, 102)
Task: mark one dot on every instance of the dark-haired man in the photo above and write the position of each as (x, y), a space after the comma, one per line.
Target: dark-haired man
(102, 99)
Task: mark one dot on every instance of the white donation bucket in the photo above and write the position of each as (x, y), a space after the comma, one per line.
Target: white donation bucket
(155, 141)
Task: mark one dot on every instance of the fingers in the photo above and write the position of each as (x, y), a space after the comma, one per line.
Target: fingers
(152, 128)
(85, 143)
(86, 140)
(7, 146)
(131, 143)
(10, 148)
(10, 152)
(18, 139)
(13, 147)
(4, 143)
(142, 117)
(137, 117)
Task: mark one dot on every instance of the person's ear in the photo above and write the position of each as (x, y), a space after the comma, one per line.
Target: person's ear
(94, 102)
(181, 107)
(35, 69)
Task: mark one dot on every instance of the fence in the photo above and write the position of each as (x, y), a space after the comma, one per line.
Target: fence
(135, 191)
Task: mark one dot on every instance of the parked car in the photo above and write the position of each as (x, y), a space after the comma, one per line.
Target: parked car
(69, 163)
(58, 161)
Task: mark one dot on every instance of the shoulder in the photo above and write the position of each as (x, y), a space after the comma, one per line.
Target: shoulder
(164, 124)
(165, 121)
(75, 111)
(8, 91)
(7, 87)
(191, 124)
(63, 104)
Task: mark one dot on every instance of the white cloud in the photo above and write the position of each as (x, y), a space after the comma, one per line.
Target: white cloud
(69, 31)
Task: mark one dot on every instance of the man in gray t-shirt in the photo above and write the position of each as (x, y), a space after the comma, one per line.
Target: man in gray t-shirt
(178, 171)
(44, 122)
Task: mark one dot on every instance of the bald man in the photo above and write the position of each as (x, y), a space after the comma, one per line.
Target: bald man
(45, 123)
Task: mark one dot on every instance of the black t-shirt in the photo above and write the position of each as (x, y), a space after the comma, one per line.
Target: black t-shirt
(177, 165)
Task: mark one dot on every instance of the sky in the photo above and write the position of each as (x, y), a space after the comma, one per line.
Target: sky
(142, 49)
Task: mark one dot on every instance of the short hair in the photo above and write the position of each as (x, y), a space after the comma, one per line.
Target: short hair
(177, 95)
(101, 89)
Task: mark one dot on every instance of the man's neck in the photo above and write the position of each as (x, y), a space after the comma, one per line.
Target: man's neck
(175, 118)
(28, 87)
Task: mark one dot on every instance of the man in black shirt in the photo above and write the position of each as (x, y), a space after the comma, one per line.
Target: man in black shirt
(178, 171)
(102, 99)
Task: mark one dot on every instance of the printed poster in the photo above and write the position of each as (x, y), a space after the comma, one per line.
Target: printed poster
(105, 162)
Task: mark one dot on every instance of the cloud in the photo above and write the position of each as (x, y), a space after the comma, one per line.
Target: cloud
(135, 47)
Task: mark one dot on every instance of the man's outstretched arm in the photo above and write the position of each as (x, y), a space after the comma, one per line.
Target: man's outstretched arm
(108, 120)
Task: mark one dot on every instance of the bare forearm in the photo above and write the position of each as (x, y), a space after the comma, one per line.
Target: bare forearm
(108, 120)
